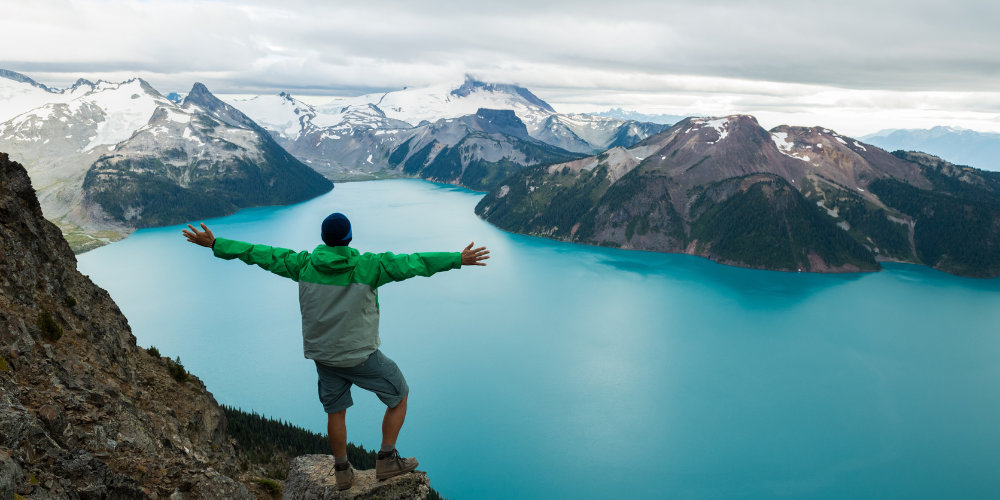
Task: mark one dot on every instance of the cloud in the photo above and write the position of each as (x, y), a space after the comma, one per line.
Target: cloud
(763, 53)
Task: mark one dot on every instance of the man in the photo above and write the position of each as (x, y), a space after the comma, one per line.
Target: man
(338, 298)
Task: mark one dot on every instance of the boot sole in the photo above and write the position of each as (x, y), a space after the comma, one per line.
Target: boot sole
(386, 475)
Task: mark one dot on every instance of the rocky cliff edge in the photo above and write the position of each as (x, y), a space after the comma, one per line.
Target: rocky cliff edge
(86, 413)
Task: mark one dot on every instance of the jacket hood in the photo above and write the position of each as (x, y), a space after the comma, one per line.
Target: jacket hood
(333, 259)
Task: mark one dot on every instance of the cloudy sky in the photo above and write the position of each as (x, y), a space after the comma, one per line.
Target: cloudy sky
(853, 66)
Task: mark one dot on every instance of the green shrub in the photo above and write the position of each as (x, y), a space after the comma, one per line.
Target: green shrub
(51, 331)
(153, 351)
(177, 370)
(3, 364)
(270, 486)
(70, 301)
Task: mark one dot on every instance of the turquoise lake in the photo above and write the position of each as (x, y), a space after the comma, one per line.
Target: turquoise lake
(569, 371)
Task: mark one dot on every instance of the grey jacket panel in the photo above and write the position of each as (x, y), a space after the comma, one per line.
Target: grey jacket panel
(339, 323)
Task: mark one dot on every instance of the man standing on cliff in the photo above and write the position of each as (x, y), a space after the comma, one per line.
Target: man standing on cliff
(338, 298)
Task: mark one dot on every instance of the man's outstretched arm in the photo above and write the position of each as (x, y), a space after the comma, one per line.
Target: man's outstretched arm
(400, 267)
(280, 261)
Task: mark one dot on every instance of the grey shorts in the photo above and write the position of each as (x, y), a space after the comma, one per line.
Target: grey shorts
(377, 374)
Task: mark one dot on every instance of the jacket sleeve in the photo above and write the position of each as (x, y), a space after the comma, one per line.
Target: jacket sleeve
(393, 267)
(280, 261)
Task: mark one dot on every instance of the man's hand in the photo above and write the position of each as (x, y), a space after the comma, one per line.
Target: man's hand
(474, 257)
(204, 238)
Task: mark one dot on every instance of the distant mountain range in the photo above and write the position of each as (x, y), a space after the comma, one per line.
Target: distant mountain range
(106, 158)
(792, 198)
(958, 145)
(359, 136)
(623, 114)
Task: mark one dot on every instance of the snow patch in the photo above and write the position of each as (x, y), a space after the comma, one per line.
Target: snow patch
(721, 126)
(785, 147)
(503, 191)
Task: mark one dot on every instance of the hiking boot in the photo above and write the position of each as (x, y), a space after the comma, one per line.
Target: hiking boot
(345, 475)
(390, 464)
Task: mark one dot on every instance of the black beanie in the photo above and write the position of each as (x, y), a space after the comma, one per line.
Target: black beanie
(336, 230)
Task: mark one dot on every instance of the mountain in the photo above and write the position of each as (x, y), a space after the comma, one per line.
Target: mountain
(111, 157)
(353, 137)
(417, 105)
(359, 140)
(348, 142)
(203, 159)
(622, 114)
(477, 151)
(19, 93)
(962, 146)
(581, 133)
(792, 198)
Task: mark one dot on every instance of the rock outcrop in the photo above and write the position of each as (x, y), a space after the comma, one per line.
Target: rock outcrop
(84, 412)
(311, 478)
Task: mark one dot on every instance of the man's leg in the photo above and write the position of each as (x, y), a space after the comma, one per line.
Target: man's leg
(335, 394)
(336, 426)
(392, 423)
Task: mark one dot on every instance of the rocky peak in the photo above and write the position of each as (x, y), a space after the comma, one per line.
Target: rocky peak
(18, 77)
(500, 121)
(84, 412)
(202, 98)
(82, 82)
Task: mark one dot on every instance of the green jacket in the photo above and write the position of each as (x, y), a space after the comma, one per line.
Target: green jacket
(338, 293)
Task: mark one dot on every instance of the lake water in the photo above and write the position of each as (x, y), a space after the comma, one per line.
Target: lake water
(568, 371)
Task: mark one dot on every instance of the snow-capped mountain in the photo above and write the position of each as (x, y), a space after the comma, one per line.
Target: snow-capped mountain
(350, 137)
(18, 94)
(108, 157)
(416, 105)
(345, 142)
